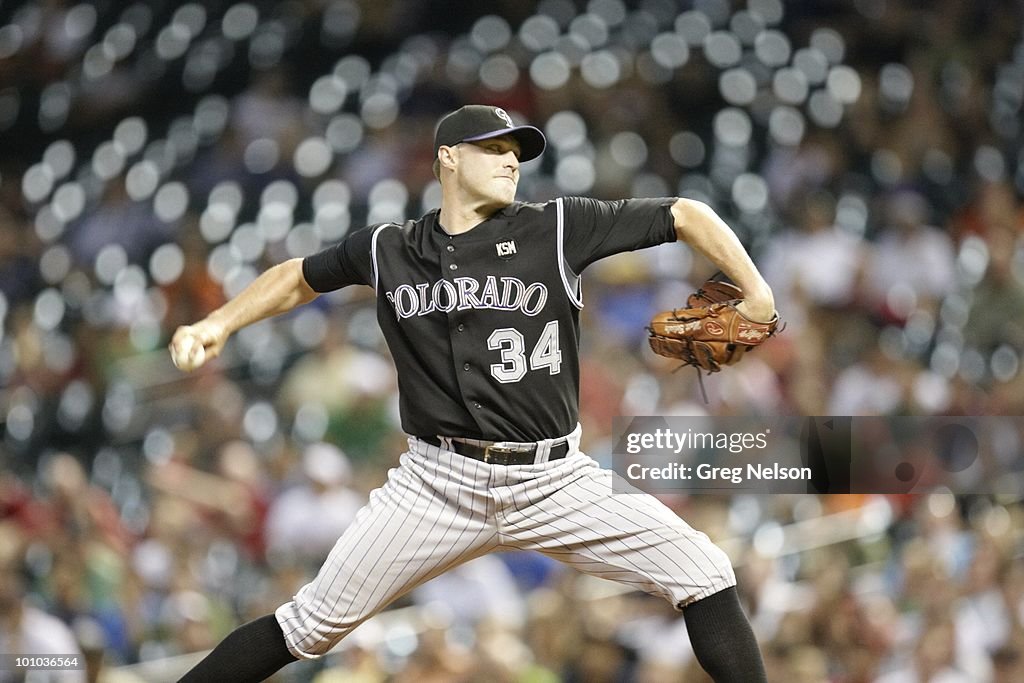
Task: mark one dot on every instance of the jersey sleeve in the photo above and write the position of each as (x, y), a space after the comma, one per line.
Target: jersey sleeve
(346, 263)
(594, 229)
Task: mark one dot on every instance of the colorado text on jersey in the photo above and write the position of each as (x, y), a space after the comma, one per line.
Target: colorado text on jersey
(461, 294)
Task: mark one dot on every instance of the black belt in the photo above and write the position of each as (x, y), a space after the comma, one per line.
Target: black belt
(501, 453)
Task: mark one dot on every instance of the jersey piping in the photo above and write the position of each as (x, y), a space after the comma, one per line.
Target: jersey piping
(575, 294)
(373, 254)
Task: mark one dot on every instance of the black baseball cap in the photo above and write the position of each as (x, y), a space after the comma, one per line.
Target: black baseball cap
(476, 122)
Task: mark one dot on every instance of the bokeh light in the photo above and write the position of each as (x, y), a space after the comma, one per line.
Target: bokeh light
(142, 180)
(166, 264)
(550, 70)
(738, 86)
(108, 160)
(687, 149)
(575, 174)
(59, 157)
(787, 126)
(11, 40)
(54, 264)
(772, 48)
(499, 73)
(733, 127)
(327, 94)
(628, 150)
(694, 26)
(490, 33)
(380, 110)
(722, 49)
(170, 202)
(261, 155)
(539, 33)
(566, 130)
(37, 183)
(313, 157)
(770, 12)
(812, 63)
(790, 86)
(240, 21)
(68, 202)
(591, 29)
(601, 69)
(345, 133)
(670, 50)
(830, 43)
(190, 18)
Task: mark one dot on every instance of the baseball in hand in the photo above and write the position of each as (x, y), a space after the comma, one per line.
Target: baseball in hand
(189, 353)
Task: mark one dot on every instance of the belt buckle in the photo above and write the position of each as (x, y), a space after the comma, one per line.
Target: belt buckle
(499, 452)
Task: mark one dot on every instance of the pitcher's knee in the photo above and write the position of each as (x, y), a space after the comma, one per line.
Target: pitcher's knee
(311, 633)
(715, 574)
(723, 566)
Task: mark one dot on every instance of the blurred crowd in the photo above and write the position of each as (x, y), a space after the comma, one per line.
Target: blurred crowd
(158, 156)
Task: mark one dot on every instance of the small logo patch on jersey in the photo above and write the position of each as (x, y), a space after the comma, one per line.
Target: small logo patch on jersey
(506, 250)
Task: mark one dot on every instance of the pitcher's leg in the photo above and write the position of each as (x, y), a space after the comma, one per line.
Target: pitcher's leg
(427, 518)
(635, 539)
(631, 538)
(252, 652)
(412, 530)
(722, 639)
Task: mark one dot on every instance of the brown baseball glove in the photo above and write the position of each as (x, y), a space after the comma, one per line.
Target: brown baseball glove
(710, 332)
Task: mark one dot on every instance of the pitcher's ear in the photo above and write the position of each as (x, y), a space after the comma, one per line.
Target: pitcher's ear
(445, 157)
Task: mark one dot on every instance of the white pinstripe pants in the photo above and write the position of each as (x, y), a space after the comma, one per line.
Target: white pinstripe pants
(439, 509)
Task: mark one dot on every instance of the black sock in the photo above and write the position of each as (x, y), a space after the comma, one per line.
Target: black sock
(252, 652)
(723, 640)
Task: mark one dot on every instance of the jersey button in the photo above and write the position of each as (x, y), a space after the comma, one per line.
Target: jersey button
(453, 266)
(466, 366)
(461, 327)
(477, 406)
(451, 248)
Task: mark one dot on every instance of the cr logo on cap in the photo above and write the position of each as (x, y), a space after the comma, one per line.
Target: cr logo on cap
(503, 115)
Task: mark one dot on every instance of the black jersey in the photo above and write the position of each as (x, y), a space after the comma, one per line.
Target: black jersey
(484, 326)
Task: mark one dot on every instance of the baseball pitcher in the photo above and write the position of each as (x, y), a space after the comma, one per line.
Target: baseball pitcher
(479, 302)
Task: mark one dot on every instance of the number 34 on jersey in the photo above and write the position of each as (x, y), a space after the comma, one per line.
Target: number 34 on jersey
(514, 362)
